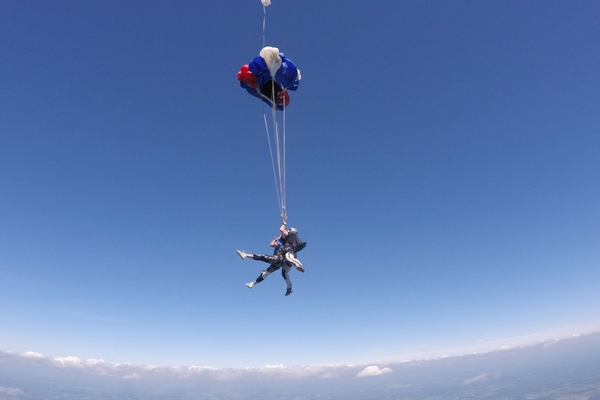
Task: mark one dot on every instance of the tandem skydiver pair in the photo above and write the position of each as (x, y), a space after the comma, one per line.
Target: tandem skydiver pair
(285, 246)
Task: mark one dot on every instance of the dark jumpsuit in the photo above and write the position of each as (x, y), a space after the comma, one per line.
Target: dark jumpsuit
(277, 261)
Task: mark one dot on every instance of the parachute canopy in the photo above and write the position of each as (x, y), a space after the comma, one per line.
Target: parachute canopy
(269, 77)
(266, 2)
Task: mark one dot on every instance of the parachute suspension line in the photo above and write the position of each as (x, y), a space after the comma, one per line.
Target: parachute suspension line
(277, 190)
(277, 154)
(284, 197)
(272, 160)
(280, 145)
(277, 158)
(279, 174)
(264, 23)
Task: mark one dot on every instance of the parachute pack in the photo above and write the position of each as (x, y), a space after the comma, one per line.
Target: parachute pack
(293, 241)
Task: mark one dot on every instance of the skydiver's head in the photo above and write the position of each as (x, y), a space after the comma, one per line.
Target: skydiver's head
(293, 230)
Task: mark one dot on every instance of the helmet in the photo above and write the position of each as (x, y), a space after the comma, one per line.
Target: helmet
(293, 230)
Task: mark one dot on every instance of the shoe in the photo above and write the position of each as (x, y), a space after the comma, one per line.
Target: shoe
(241, 254)
(250, 285)
(288, 292)
(298, 265)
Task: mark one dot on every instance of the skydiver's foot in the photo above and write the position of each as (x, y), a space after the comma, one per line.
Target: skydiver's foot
(297, 264)
(288, 292)
(241, 254)
(250, 285)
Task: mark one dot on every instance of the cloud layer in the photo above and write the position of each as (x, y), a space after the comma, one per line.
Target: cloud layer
(129, 371)
(32, 361)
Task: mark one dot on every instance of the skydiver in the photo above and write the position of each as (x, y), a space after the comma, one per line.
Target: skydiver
(291, 244)
(276, 261)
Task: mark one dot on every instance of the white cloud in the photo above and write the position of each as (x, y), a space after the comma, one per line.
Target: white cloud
(550, 343)
(93, 361)
(478, 378)
(32, 354)
(66, 362)
(129, 371)
(373, 370)
(10, 391)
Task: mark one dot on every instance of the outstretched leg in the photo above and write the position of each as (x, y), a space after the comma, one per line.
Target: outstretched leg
(265, 258)
(260, 257)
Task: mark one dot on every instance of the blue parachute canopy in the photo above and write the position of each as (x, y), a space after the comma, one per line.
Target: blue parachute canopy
(269, 77)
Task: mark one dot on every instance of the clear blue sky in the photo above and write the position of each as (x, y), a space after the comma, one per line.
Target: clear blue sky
(443, 166)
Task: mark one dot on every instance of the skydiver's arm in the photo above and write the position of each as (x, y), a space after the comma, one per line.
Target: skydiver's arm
(283, 231)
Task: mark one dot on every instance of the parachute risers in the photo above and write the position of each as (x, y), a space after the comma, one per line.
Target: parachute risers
(269, 77)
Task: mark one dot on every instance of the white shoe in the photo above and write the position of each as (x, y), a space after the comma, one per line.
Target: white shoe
(250, 285)
(295, 262)
(241, 254)
(298, 265)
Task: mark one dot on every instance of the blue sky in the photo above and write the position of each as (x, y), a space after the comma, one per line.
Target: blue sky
(442, 166)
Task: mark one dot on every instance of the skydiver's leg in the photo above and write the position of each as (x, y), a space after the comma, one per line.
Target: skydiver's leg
(290, 257)
(275, 265)
(285, 272)
(264, 258)
(267, 272)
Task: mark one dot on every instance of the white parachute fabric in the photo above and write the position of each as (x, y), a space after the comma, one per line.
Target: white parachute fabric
(266, 2)
(272, 59)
